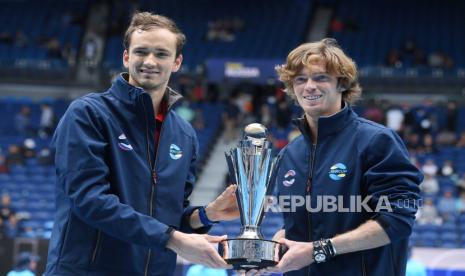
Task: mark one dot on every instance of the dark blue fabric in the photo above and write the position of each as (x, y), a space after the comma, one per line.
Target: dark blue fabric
(112, 208)
(377, 164)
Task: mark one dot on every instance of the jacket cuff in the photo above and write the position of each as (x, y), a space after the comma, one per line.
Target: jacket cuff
(165, 237)
(396, 228)
(186, 225)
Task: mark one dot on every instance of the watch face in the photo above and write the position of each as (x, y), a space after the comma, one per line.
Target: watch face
(320, 257)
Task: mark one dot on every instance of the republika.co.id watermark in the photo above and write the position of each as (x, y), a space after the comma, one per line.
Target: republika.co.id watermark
(342, 204)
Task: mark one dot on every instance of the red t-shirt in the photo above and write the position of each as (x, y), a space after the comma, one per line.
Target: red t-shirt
(162, 110)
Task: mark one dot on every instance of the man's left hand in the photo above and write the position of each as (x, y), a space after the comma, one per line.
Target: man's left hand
(224, 207)
(298, 255)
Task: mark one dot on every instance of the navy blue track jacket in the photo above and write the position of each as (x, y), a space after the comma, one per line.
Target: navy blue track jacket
(116, 195)
(353, 156)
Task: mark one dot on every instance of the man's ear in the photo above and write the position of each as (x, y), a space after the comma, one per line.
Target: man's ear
(177, 63)
(125, 58)
(340, 86)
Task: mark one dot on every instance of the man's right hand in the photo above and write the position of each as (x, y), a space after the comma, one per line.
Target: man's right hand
(279, 235)
(197, 249)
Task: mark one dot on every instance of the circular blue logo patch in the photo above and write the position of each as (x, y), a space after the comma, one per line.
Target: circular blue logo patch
(338, 171)
(175, 152)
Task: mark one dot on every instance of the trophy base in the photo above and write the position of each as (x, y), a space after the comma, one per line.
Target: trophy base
(246, 254)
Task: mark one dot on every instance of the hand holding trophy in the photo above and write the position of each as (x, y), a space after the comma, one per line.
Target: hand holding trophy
(251, 167)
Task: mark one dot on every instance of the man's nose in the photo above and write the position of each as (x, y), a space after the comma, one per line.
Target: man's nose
(151, 59)
(310, 84)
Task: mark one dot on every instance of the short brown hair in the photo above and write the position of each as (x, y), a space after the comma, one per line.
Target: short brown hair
(146, 20)
(328, 52)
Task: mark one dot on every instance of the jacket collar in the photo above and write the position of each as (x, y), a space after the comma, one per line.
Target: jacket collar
(129, 93)
(327, 125)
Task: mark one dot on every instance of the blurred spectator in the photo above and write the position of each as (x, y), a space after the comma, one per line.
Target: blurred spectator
(224, 30)
(66, 18)
(90, 53)
(395, 118)
(23, 122)
(430, 168)
(393, 59)
(230, 115)
(283, 114)
(408, 117)
(244, 102)
(425, 120)
(5, 206)
(461, 142)
(54, 49)
(6, 37)
(415, 161)
(461, 203)
(279, 137)
(69, 54)
(185, 111)
(445, 138)
(428, 143)
(374, 112)
(14, 156)
(430, 185)
(47, 121)
(461, 184)
(198, 92)
(199, 121)
(45, 157)
(10, 227)
(3, 165)
(447, 169)
(439, 59)
(447, 135)
(409, 48)
(340, 25)
(413, 143)
(7, 214)
(26, 265)
(21, 40)
(29, 148)
(337, 25)
(428, 214)
(451, 116)
(418, 58)
(266, 117)
(447, 205)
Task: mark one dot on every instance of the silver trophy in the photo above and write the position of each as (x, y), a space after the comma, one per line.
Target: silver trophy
(251, 167)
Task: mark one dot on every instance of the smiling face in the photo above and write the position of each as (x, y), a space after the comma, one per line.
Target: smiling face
(151, 58)
(317, 91)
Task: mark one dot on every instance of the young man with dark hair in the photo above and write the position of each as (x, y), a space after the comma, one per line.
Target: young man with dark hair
(126, 167)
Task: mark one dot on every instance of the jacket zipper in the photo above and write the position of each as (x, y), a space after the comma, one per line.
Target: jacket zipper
(364, 272)
(154, 175)
(149, 160)
(308, 192)
(97, 243)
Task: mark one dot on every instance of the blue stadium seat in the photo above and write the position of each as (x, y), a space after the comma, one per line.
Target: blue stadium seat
(449, 237)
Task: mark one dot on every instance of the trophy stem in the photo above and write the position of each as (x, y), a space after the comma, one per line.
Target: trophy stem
(250, 232)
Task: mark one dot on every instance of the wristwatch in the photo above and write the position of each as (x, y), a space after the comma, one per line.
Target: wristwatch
(323, 250)
(319, 254)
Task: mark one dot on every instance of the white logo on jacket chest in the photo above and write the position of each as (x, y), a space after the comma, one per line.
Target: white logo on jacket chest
(289, 178)
(175, 152)
(123, 143)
